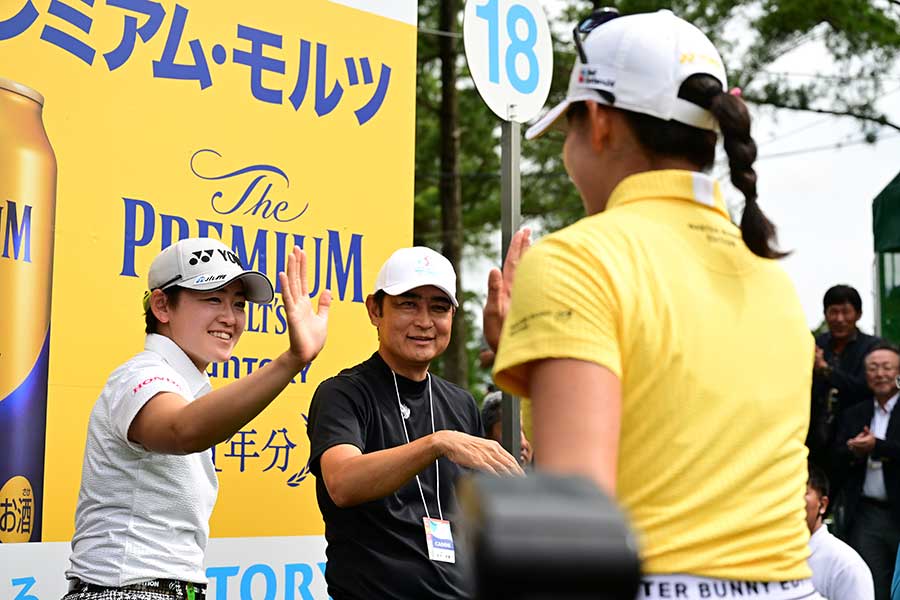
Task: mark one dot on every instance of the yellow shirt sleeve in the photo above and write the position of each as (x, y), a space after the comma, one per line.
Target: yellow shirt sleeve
(564, 305)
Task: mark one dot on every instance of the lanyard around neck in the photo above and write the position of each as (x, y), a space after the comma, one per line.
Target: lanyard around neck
(437, 469)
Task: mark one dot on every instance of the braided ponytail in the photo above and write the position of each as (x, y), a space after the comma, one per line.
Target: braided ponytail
(758, 231)
(674, 139)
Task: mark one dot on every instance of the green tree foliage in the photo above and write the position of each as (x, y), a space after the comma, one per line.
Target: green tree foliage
(861, 36)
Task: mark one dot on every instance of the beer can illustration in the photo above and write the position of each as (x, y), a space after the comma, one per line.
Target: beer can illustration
(27, 210)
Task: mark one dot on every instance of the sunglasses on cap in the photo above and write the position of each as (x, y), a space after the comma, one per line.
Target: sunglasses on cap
(590, 23)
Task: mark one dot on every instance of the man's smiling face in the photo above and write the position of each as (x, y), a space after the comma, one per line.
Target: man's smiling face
(414, 327)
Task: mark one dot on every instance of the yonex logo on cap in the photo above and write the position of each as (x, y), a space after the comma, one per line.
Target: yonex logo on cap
(692, 57)
(206, 255)
(202, 256)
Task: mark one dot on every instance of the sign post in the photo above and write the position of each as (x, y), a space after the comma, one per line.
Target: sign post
(510, 55)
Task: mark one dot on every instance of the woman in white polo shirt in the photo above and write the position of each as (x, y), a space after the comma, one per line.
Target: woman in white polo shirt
(665, 352)
(148, 482)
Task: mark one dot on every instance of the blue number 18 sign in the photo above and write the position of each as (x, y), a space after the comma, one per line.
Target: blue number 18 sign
(510, 55)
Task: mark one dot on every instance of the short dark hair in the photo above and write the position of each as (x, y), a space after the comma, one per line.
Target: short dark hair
(840, 294)
(491, 410)
(883, 345)
(151, 323)
(378, 297)
(818, 480)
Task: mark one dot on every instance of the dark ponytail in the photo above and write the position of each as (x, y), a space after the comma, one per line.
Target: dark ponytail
(734, 121)
(674, 139)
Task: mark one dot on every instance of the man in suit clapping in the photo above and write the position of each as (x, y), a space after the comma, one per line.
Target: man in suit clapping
(867, 449)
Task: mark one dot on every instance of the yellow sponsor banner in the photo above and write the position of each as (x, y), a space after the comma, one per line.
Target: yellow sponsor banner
(263, 124)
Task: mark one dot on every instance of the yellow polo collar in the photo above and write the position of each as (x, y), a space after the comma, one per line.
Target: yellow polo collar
(670, 184)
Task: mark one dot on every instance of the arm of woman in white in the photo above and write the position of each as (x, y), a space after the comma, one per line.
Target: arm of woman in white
(576, 411)
(169, 424)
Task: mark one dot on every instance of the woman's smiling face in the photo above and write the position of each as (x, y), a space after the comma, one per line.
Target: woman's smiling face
(207, 325)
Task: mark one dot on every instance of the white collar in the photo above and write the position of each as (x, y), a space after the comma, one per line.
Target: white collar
(198, 381)
(820, 534)
(889, 405)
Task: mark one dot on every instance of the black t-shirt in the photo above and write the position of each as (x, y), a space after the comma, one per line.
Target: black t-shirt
(377, 549)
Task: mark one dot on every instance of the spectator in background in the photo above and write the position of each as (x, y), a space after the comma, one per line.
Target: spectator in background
(491, 416)
(839, 379)
(839, 573)
(867, 450)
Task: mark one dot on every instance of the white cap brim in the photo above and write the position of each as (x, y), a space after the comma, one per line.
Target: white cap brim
(553, 118)
(401, 288)
(548, 120)
(257, 287)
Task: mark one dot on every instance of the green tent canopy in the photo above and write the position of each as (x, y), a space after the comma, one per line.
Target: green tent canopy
(886, 217)
(886, 229)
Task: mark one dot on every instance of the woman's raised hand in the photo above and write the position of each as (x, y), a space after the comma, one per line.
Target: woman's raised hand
(307, 329)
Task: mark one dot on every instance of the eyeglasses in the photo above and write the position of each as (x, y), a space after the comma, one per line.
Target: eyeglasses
(876, 367)
(590, 23)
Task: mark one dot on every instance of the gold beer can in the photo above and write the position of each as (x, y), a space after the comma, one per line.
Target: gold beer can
(27, 211)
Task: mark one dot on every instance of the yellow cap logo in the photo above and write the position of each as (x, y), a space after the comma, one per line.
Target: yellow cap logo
(16, 510)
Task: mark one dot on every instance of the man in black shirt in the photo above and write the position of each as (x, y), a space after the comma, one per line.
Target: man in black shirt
(388, 440)
(839, 377)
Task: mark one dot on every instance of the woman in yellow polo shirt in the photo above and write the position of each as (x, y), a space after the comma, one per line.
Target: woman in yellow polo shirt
(665, 351)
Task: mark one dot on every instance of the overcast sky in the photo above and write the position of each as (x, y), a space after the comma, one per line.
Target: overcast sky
(822, 200)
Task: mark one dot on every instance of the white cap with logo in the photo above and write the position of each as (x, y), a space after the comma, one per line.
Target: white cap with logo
(205, 264)
(641, 60)
(409, 268)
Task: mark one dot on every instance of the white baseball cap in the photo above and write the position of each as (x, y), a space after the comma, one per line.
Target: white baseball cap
(409, 268)
(641, 60)
(207, 265)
